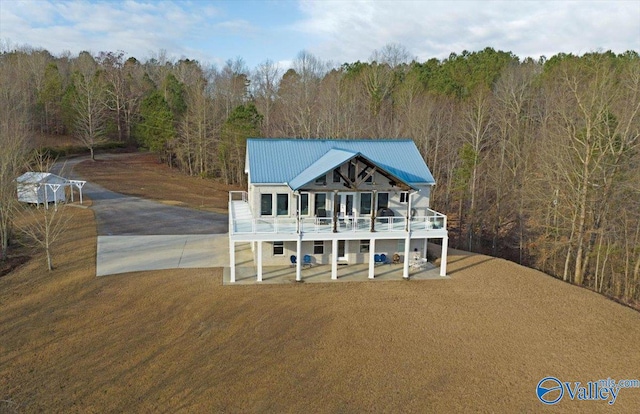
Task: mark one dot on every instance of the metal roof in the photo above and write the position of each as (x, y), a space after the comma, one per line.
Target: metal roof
(40, 177)
(291, 161)
(330, 160)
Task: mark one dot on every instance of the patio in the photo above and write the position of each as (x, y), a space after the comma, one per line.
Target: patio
(246, 275)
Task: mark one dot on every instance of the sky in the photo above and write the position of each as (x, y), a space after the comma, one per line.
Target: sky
(337, 31)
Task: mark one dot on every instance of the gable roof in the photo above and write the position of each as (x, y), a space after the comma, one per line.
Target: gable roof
(292, 161)
(40, 178)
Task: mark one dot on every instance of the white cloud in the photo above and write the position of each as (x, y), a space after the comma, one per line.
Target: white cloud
(350, 31)
(137, 28)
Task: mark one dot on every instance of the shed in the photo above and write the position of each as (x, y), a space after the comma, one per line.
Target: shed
(41, 187)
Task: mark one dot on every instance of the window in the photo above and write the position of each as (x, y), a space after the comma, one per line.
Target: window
(282, 204)
(352, 172)
(404, 197)
(383, 200)
(400, 245)
(322, 180)
(278, 248)
(365, 203)
(336, 175)
(364, 246)
(318, 247)
(304, 204)
(321, 204)
(369, 179)
(266, 204)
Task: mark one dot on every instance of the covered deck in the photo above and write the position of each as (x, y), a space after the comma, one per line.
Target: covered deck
(242, 221)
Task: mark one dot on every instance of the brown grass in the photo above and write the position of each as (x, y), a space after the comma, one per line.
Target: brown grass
(179, 341)
(141, 175)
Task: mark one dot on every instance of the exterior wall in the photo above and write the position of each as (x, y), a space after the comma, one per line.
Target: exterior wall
(35, 193)
(419, 200)
(255, 192)
(269, 259)
(354, 256)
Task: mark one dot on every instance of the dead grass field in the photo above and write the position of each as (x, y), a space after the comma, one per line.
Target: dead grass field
(141, 175)
(179, 341)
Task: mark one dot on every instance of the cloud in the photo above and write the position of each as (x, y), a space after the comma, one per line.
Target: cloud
(135, 27)
(352, 30)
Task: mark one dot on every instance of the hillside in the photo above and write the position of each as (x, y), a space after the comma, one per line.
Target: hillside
(179, 341)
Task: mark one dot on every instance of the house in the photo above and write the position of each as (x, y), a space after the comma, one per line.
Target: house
(44, 188)
(334, 202)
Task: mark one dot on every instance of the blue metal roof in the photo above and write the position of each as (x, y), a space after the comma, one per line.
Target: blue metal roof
(272, 161)
(330, 160)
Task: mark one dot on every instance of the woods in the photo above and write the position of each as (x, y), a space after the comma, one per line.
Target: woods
(536, 161)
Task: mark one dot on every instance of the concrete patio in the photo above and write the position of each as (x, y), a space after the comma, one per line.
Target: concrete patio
(246, 273)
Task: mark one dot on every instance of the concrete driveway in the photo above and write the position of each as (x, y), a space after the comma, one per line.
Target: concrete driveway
(136, 234)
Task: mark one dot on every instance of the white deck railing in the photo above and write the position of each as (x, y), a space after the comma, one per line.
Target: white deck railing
(238, 196)
(243, 222)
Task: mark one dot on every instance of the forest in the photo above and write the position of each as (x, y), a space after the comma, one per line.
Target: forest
(536, 160)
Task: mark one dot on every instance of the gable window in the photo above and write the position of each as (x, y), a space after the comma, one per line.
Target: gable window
(369, 179)
(364, 246)
(404, 197)
(322, 180)
(318, 247)
(365, 203)
(320, 206)
(304, 204)
(336, 175)
(282, 204)
(352, 172)
(383, 200)
(266, 204)
(278, 248)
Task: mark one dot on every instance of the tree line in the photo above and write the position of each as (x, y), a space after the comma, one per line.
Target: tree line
(535, 160)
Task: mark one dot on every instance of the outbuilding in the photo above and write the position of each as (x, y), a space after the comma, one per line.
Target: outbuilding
(44, 188)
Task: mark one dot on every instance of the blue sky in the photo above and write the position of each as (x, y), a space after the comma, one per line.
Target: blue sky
(337, 31)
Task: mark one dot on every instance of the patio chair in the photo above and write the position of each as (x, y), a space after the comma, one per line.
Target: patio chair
(377, 259)
(306, 260)
(383, 259)
(396, 258)
(293, 260)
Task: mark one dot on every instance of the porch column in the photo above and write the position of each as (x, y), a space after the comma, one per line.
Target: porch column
(232, 261)
(298, 260)
(407, 245)
(372, 252)
(334, 209)
(408, 225)
(259, 243)
(373, 210)
(334, 259)
(424, 249)
(443, 256)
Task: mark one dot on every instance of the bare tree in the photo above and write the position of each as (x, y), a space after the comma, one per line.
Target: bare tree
(44, 225)
(89, 104)
(14, 132)
(265, 90)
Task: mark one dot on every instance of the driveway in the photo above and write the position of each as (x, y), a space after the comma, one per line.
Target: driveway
(136, 234)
